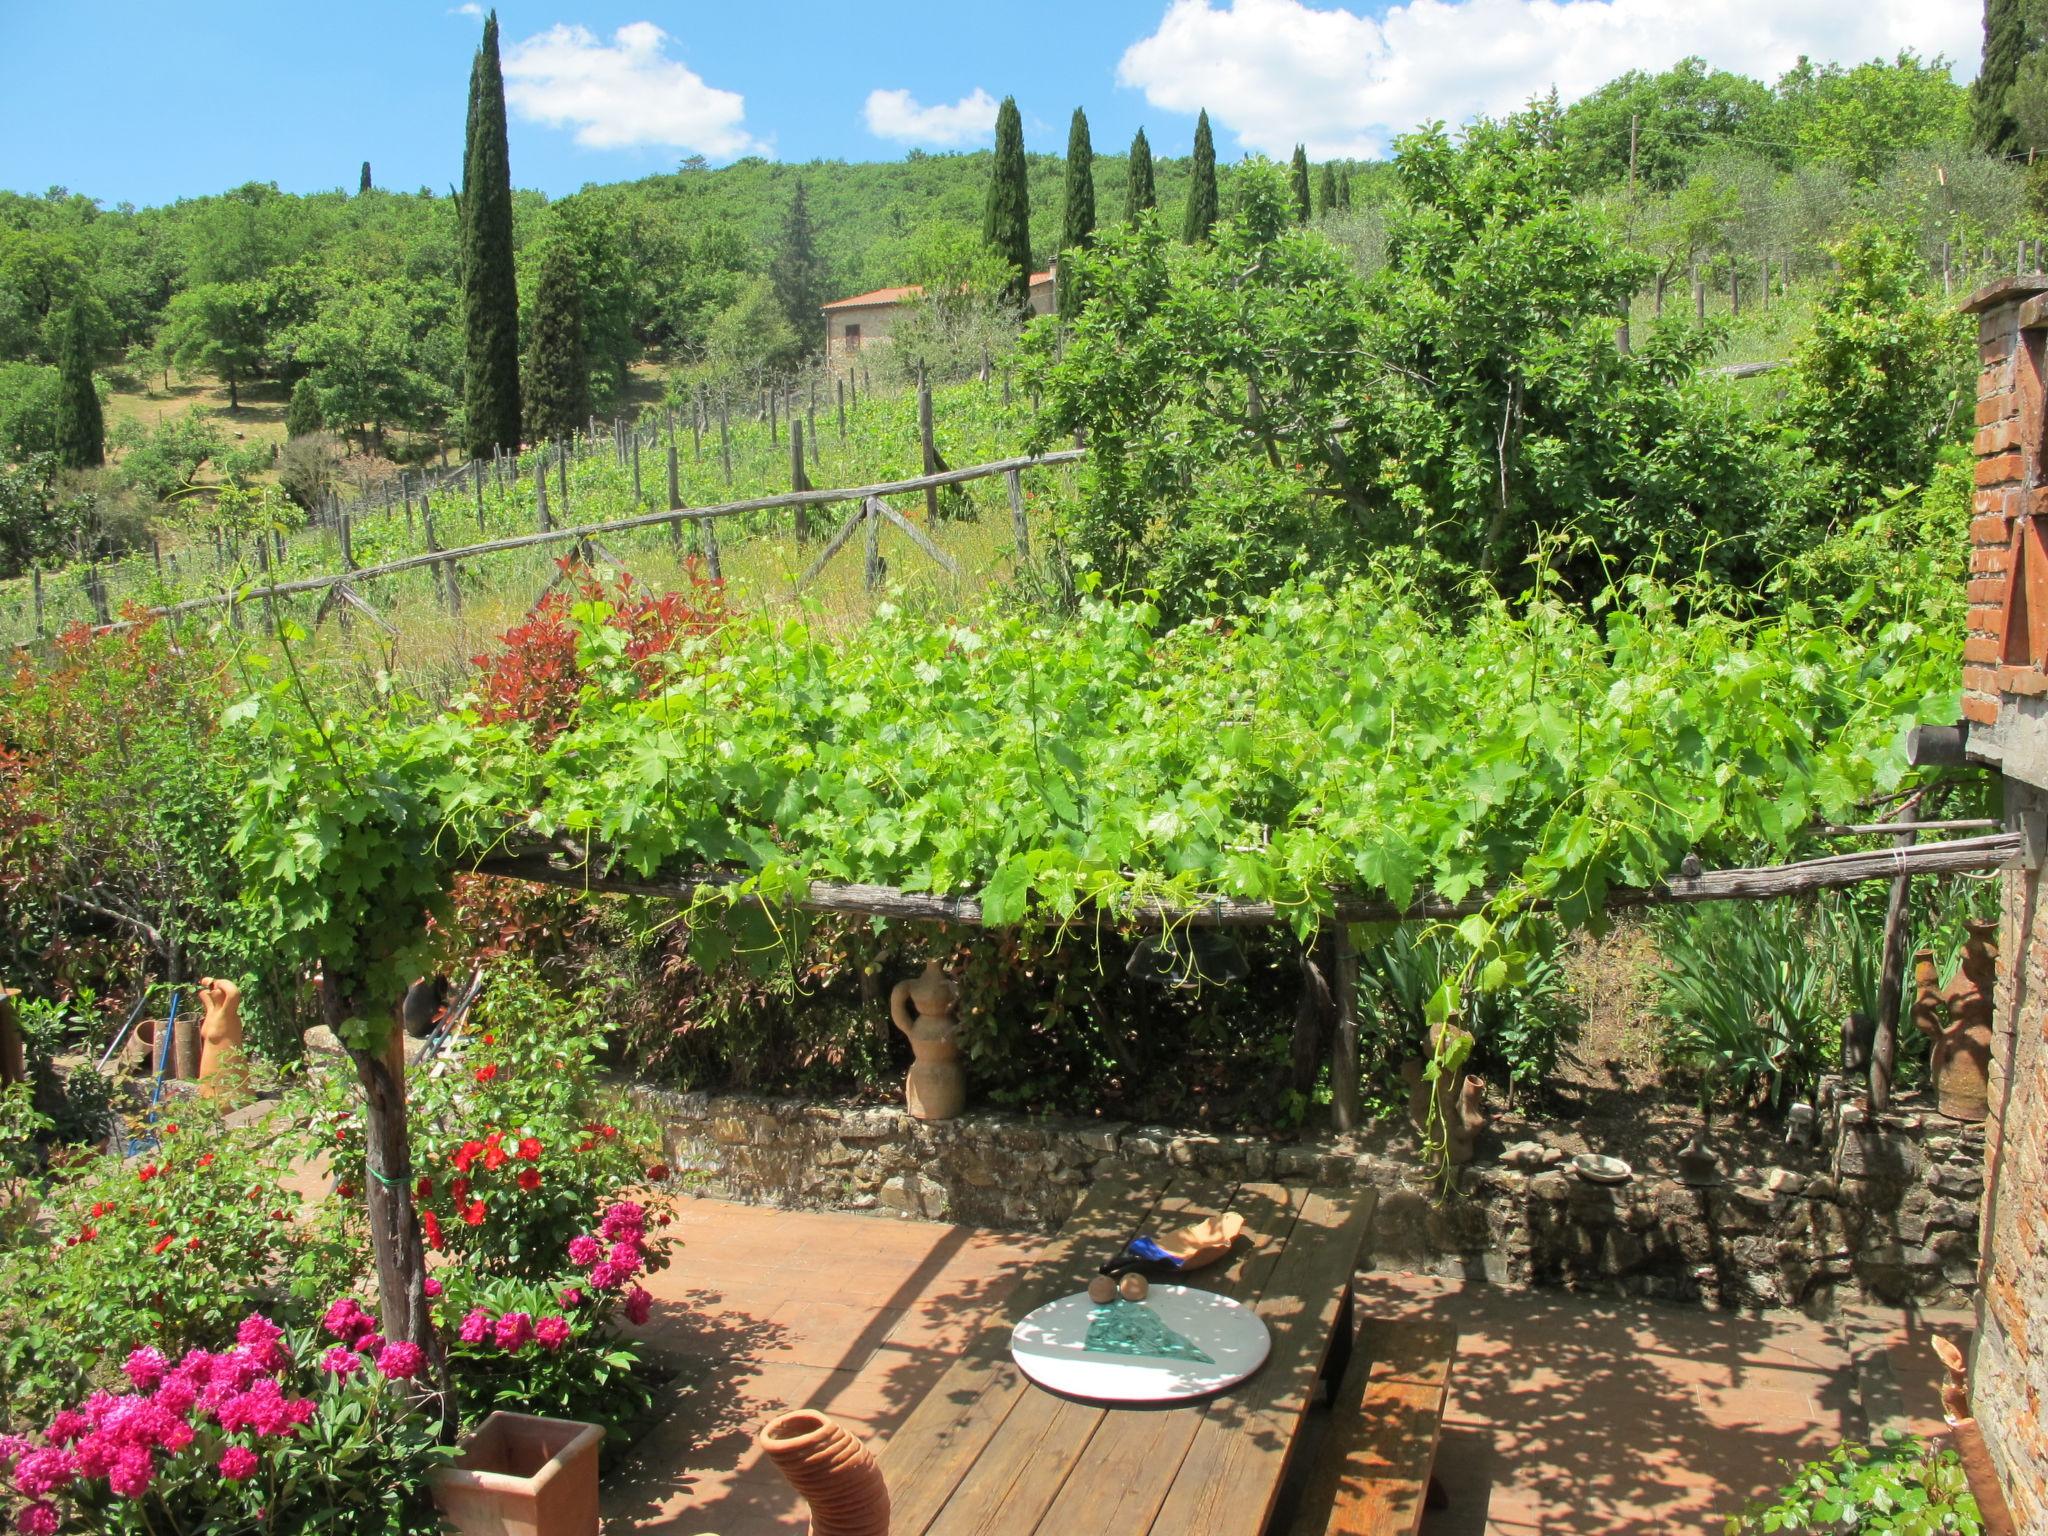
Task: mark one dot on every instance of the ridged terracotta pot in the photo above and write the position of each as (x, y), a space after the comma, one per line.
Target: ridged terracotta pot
(833, 1469)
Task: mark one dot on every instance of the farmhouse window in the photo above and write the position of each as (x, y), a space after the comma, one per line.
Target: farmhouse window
(851, 337)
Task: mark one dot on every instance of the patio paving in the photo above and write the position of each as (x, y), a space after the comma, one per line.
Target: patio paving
(1567, 1415)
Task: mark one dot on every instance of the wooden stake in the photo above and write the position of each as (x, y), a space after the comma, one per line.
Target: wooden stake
(798, 480)
(1891, 975)
(1344, 1046)
(540, 492)
(636, 470)
(675, 496)
(35, 590)
(725, 439)
(875, 570)
(839, 393)
(1018, 526)
(931, 452)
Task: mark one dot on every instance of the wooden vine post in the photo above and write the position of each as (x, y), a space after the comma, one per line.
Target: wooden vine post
(1344, 1110)
(675, 497)
(932, 462)
(798, 480)
(1891, 976)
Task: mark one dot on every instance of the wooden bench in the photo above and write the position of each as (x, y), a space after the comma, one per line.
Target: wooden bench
(1373, 1470)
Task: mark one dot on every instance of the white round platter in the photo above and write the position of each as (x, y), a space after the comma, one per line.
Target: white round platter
(1050, 1346)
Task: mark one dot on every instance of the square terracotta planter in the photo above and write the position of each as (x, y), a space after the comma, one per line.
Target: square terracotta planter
(522, 1476)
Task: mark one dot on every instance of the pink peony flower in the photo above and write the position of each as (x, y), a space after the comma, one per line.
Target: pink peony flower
(44, 1471)
(146, 1368)
(67, 1427)
(12, 1446)
(370, 1344)
(638, 1304)
(625, 1221)
(95, 1454)
(584, 1250)
(176, 1395)
(132, 1473)
(38, 1519)
(401, 1361)
(434, 1288)
(340, 1361)
(238, 1463)
(476, 1327)
(514, 1330)
(572, 1296)
(627, 1256)
(608, 1276)
(551, 1333)
(346, 1319)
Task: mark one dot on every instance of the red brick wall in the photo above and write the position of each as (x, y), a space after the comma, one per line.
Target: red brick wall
(2003, 681)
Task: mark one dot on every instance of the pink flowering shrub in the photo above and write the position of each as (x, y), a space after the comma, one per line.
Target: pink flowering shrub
(555, 1347)
(254, 1438)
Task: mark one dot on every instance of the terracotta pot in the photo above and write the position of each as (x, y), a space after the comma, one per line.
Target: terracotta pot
(1958, 1021)
(936, 1088)
(833, 1469)
(522, 1476)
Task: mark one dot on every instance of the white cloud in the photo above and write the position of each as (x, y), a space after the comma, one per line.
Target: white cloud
(1277, 72)
(899, 115)
(467, 8)
(623, 93)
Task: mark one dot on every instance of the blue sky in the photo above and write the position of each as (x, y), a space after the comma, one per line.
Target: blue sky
(144, 101)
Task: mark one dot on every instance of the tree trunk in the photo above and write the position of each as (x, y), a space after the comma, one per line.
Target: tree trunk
(395, 1242)
(234, 397)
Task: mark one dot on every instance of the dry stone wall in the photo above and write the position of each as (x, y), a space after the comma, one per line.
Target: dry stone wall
(1883, 1208)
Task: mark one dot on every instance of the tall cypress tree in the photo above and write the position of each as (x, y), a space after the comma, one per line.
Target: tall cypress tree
(1006, 222)
(1139, 194)
(365, 184)
(1077, 225)
(2005, 44)
(302, 417)
(557, 367)
(799, 275)
(1344, 189)
(1202, 194)
(490, 291)
(1326, 189)
(81, 432)
(1298, 181)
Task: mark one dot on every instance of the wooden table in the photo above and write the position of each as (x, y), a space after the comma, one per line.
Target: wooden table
(986, 1451)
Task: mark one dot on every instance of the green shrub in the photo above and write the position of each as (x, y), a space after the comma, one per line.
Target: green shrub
(1904, 1487)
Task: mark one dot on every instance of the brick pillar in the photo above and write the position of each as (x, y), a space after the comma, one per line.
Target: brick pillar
(2005, 701)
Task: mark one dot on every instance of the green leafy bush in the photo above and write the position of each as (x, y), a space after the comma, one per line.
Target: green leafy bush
(1902, 1487)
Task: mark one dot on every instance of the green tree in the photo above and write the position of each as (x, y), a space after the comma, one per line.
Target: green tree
(1006, 218)
(218, 328)
(81, 431)
(1862, 119)
(751, 337)
(1201, 216)
(1077, 226)
(490, 373)
(1139, 194)
(557, 370)
(1297, 183)
(1669, 119)
(302, 417)
(799, 274)
(364, 184)
(377, 353)
(29, 396)
(1326, 189)
(1344, 189)
(2006, 44)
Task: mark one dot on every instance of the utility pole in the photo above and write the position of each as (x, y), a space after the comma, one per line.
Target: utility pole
(1633, 120)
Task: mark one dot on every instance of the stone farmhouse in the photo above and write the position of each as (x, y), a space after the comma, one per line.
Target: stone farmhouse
(866, 319)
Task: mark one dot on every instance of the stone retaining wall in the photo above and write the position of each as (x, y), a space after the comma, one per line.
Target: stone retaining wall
(1886, 1208)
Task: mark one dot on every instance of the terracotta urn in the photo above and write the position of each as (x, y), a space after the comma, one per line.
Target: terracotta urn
(221, 1068)
(936, 1088)
(519, 1475)
(1459, 1100)
(1957, 1018)
(833, 1469)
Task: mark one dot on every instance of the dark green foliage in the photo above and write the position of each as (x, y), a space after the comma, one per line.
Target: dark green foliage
(1901, 1487)
(798, 274)
(1202, 208)
(1077, 226)
(1326, 189)
(557, 370)
(81, 433)
(2006, 44)
(1297, 182)
(1139, 194)
(1344, 189)
(302, 417)
(1006, 220)
(365, 183)
(490, 374)
(1885, 376)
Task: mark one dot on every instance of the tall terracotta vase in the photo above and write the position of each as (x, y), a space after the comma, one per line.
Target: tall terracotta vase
(936, 1088)
(221, 1071)
(835, 1472)
(1957, 1019)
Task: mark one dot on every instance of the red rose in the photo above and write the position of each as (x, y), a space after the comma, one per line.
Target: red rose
(494, 1159)
(191, 1242)
(206, 1159)
(473, 1213)
(529, 1179)
(466, 1158)
(459, 1191)
(529, 1149)
(657, 1171)
(490, 1039)
(146, 1172)
(433, 1225)
(164, 1242)
(485, 1074)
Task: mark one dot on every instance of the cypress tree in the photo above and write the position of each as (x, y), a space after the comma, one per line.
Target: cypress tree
(1077, 226)
(1139, 195)
(1326, 190)
(490, 373)
(2005, 44)
(1006, 222)
(302, 417)
(81, 433)
(1344, 189)
(364, 185)
(557, 369)
(798, 274)
(1202, 194)
(1298, 181)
